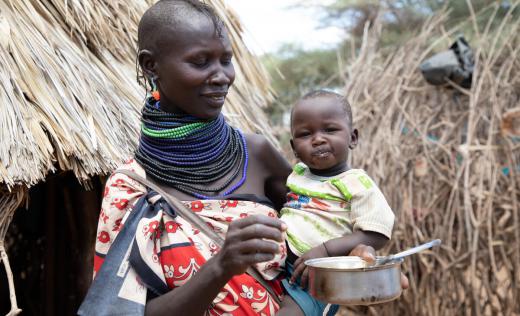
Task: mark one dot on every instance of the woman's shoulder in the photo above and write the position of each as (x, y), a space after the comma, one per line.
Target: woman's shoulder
(257, 142)
(261, 149)
(259, 145)
(120, 181)
(131, 165)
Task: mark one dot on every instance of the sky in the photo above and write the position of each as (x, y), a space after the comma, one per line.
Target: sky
(271, 23)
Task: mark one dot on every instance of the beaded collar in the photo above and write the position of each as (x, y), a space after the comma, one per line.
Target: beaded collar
(190, 154)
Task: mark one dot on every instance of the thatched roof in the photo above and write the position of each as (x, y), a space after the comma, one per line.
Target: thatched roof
(69, 95)
(68, 89)
(448, 160)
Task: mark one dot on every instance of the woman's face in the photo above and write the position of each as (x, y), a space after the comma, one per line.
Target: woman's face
(194, 69)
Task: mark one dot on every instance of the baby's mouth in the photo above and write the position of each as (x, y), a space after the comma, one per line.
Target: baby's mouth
(320, 153)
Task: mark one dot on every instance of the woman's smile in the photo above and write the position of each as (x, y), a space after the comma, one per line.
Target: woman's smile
(215, 99)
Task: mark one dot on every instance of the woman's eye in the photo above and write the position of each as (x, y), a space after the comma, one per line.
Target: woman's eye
(227, 61)
(200, 62)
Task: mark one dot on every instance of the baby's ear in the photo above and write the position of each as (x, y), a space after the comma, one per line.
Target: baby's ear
(294, 151)
(353, 139)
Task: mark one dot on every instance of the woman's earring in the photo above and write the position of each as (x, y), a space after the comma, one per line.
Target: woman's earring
(155, 92)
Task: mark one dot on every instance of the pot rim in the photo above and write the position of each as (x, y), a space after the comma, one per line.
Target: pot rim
(315, 264)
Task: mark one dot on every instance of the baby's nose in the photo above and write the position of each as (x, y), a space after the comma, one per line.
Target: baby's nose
(318, 139)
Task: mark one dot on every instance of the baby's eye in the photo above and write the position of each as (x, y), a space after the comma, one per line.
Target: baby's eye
(302, 134)
(330, 130)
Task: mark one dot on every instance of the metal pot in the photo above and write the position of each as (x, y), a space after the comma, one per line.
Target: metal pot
(351, 281)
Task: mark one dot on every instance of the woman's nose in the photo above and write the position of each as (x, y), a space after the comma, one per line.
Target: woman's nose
(220, 77)
(217, 79)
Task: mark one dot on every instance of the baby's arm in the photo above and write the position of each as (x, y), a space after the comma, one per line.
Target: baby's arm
(371, 216)
(343, 245)
(340, 246)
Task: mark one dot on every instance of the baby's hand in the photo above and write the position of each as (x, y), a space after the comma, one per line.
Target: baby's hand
(368, 254)
(300, 267)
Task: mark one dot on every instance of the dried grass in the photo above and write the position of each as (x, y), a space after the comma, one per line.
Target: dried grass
(448, 161)
(69, 98)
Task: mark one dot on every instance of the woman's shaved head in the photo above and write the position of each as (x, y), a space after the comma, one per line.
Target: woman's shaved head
(166, 17)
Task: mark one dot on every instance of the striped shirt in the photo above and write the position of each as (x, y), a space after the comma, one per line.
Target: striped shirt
(323, 208)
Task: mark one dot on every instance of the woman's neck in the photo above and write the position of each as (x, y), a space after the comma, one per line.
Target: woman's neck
(202, 158)
(169, 107)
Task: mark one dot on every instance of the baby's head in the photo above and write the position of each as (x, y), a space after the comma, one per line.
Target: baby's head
(184, 49)
(322, 133)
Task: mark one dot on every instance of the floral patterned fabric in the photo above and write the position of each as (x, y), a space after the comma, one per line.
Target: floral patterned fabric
(175, 250)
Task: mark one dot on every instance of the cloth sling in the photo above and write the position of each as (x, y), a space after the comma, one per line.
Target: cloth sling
(195, 220)
(104, 296)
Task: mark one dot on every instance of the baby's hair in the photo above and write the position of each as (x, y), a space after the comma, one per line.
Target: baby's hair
(329, 93)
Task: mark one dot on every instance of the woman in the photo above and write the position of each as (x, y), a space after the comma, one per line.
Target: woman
(219, 172)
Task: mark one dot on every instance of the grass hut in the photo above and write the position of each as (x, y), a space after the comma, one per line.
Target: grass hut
(69, 114)
(448, 159)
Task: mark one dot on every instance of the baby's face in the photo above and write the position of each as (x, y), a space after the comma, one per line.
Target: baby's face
(321, 133)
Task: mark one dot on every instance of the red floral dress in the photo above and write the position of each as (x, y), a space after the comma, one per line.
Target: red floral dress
(175, 250)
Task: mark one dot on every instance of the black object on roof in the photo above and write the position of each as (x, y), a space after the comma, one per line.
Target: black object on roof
(455, 64)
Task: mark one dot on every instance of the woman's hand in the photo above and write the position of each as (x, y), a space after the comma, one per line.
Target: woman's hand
(300, 267)
(250, 240)
(368, 254)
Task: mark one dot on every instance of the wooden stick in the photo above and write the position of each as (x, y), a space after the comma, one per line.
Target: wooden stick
(12, 295)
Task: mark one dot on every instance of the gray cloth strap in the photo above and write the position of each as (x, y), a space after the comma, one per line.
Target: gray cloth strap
(195, 220)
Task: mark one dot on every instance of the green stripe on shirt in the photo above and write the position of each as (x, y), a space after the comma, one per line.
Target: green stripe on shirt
(299, 190)
(301, 246)
(342, 188)
(316, 224)
(365, 181)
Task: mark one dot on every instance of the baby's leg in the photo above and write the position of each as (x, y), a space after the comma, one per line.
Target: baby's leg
(289, 308)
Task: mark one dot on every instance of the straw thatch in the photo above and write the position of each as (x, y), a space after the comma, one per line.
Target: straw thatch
(448, 161)
(69, 95)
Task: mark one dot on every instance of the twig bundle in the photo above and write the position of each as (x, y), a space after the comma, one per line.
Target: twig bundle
(447, 167)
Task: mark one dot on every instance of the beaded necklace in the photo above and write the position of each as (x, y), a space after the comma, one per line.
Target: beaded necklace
(189, 154)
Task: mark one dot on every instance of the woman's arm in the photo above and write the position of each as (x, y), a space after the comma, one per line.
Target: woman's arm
(276, 169)
(194, 297)
(119, 197)
(244, 246)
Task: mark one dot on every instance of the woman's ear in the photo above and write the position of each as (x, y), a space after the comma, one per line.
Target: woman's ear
(147, 63)
(353, 139)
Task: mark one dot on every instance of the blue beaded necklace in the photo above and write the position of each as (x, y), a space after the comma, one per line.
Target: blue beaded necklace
(190, 154)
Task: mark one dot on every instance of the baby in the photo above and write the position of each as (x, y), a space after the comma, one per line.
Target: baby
(330, 208)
